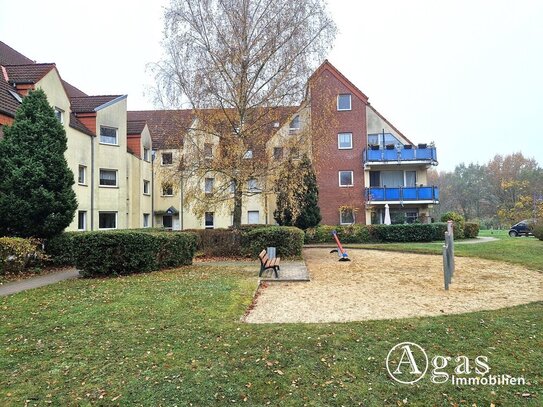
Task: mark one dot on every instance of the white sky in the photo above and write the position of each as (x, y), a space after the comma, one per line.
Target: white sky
(467, 75)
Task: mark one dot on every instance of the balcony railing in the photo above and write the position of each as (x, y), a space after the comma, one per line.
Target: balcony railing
(401, 154)
(402, 194)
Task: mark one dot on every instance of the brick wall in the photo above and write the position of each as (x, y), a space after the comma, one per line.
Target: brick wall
(327, 122)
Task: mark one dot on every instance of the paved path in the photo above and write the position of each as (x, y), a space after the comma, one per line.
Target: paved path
(35, 282)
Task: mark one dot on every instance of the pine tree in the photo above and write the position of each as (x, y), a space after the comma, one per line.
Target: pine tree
(36, 195)
(297, 195)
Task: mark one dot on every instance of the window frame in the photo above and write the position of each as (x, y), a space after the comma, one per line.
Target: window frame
(60, 116)
(208, 148)
(164, 187)
(339, 141)
(108, 213)
(249, 217)
(116, 136)
(84, 213)
(146, 217)
(278, 157)
(146, 154)
(352, 179)
(350, 102)
(110, 170)
(168, 153)
(296, 120)
(209, 181)
(341, 212)
(212, 226)
(255, 188)
(248, 155)
(148, 184)
(84, 168)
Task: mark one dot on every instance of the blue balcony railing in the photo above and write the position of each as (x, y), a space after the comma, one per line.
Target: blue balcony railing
(401, 194)
(400, 154)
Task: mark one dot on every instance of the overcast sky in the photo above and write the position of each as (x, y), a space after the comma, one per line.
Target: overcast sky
(467, 75)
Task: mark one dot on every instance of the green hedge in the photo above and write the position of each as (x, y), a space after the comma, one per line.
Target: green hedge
(60, 249)
(287, 240)
(471, 230)
(128, 252)
(538, 230)
(16, 254)
(218, 242)
(378, 233)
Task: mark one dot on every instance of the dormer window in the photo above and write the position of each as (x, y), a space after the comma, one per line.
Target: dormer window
(108, 135)
(295, 123)
(344, 102)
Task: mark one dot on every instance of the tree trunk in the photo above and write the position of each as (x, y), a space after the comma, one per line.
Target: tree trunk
(238, 200)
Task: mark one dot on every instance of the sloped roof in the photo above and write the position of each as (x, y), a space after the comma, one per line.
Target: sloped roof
(135, 126)
(8, 102)
(72, 91)
(167, 127)
(88, 104)
(327, 66)
(76, 124)
(8, 56)
(28, 73)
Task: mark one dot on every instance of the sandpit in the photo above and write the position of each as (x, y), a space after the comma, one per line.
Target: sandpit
(388, 285)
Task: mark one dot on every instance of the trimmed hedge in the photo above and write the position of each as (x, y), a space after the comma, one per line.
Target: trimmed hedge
(17, 253)
(471, 230)
(218, 242)
(129, 252)
(415, 232)
(60, 249)
(287, 240)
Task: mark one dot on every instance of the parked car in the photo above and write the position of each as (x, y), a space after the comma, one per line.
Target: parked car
(523, 228)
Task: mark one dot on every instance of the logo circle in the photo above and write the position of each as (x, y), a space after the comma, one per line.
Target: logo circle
(408, 350)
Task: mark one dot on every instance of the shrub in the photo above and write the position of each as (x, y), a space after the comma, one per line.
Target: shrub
(287, 240)
(18, 253)
(538, 230)
(60, 249)
(405, 233)
(471, 230)
(458, 221)
(128, 252)
(219, 242)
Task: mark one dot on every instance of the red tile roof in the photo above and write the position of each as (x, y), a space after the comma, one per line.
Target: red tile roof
(76, 124)
(167, 127)
(135, 126)
(29, 73)
(87, 104)
(72, 91)
(8, 103)
(8, 56)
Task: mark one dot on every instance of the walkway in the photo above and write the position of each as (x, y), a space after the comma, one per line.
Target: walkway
(290, 270)
(35, 282)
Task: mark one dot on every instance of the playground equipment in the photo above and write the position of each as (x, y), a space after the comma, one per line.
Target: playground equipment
(342, 254)
(448, 255)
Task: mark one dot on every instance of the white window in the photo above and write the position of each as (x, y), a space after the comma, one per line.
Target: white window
(146, 155)
(209, 185)
(107, 220)
(345, 178)
(295, 123)
(82, 220)
(82, 175)
(145, 220)
(59, 114)
(253, 217)
(167, 190)
(345, 141)
(209, 220)
(108, 135)
(146, 187)
(346, 216)
(108, 178)
(252, 185)
(248, 154)
(208, 150)
(167, 158)
(344, 102)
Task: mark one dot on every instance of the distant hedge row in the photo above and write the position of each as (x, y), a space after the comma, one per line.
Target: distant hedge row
(389, 233)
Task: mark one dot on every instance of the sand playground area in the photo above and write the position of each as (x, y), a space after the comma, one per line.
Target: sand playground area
(388, 285)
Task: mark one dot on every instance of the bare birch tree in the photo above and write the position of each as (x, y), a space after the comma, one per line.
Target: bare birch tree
(242, 67)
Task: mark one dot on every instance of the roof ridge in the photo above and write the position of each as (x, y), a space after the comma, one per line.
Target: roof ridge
(33, 64)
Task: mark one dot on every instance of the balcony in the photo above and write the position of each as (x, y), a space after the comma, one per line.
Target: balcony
(402, 195)
(399, 155)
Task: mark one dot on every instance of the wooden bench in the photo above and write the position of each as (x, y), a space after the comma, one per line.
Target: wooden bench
(268, 264)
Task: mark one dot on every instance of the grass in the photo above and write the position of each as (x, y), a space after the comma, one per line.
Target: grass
(526, 251)
(175, 338)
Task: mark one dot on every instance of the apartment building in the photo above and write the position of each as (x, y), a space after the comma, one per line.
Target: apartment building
(108, 164)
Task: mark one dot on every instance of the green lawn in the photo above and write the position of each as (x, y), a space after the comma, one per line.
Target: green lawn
(527, 251)
(174, 338)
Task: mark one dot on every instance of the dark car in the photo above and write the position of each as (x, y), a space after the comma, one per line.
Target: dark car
(523, 228)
